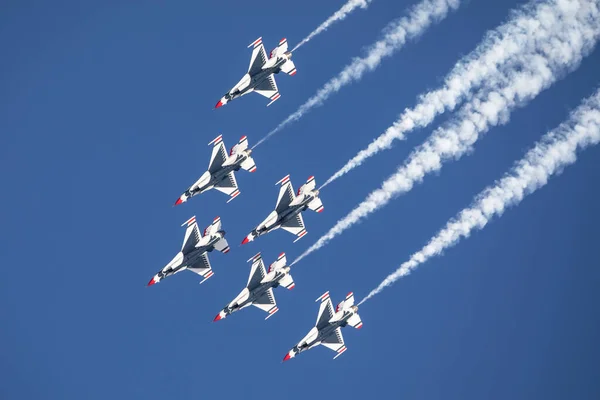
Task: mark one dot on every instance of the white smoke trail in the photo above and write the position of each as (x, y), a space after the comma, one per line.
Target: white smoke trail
(556, 150)
(563, 51)
(339, 15)
(527, 29)
(420, 17)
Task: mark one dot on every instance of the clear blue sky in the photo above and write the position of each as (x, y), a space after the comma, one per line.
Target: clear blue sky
(105, 115)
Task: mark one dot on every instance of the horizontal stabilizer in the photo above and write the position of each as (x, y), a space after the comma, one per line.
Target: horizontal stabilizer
(287, 282)
(222, 246)
(248, 164)
(279, 263)
(316, 205)
(240, 146)
(289, 68)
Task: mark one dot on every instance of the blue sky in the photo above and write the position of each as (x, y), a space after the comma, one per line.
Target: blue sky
(105, 115)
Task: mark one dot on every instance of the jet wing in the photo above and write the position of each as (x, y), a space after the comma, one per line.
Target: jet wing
(218, 156)
(325, 311)
(335, 342)
(259, 57)
(202, 267)
(295, 225)
(229, 186)
(192, 235)
(266, 302)
(268, 88)
(257, 273)
(286, 195)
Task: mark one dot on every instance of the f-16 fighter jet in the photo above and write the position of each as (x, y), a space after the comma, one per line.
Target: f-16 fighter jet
(194, 251)
(220, 174)
(328, 329)
(259, 77)
(287, 214)
(259, 289)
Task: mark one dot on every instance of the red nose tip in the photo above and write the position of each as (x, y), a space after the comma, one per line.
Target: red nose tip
(152, 282)
(287, 357)
(217, 318)
(246, 240)
(179, 201)
(219, 104)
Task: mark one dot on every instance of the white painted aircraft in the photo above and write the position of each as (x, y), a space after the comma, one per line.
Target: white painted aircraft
(328, 328)
(288, 210)
(260, 76)
(221, 170)
(259, 289)
(194, 251)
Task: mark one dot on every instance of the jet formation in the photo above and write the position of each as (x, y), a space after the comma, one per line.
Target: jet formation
(287, 215)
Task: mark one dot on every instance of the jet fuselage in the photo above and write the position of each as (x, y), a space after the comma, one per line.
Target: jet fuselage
(285, 215)
(256, 293)
(216, 176)
(323, 333)
(181, 260)
(249, 82)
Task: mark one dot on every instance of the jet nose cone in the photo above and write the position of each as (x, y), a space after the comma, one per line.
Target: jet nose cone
(287, 357)
(178, 202)
(246, 240)
(219, 104)
(218, 317)
(152, 281)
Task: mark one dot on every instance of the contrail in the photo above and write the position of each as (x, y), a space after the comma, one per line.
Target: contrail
(339, 15)
(420, 17)
(526, 30)
(572, 39)
(556, 150)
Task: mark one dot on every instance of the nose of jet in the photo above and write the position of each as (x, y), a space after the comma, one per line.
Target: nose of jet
(152, 281)
(178, 202)
(246, 239)
(219, 316)
(287, 357)
(219, 104)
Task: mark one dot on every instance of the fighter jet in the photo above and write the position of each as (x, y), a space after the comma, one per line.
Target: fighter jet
(221, 168)
(194, 251)
(259, 77)
(328, 329)
(287, 214)
(259, 289)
